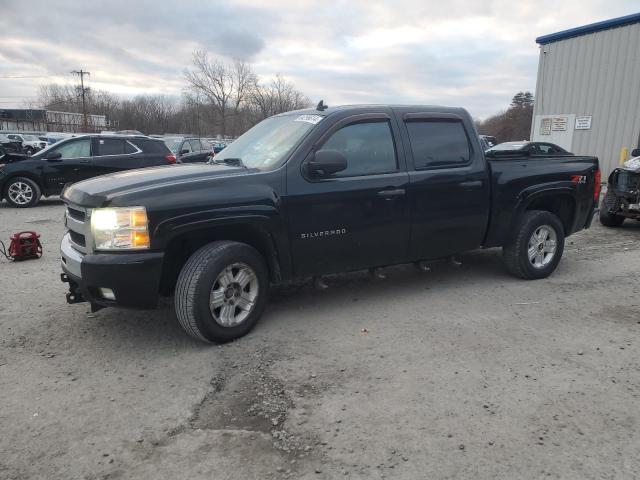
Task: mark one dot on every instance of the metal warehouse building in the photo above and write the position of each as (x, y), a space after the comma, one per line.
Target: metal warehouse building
(588, 90)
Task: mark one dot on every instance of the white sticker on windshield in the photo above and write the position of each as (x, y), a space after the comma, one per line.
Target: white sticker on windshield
(309, 118)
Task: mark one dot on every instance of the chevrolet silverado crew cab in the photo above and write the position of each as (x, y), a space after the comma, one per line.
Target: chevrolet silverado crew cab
(314, 192)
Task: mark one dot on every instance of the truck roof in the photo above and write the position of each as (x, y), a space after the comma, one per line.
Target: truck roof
(365, 107)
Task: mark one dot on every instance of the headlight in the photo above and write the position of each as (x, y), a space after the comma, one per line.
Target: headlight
(121, 228)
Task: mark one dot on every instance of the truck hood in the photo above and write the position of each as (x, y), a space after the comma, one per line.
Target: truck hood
(98, 191)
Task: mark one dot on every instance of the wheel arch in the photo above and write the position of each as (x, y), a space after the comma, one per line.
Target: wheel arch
(561, 203)
(181, 246)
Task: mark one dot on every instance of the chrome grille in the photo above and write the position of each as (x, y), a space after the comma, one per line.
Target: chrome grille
(76, 214)
(76, 221)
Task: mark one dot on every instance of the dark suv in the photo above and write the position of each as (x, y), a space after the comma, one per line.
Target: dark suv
(23, 182)
(189, 150)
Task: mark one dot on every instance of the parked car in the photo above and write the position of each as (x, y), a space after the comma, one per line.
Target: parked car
(9, 156)
(30, 143)
(622, 198)
(189, 150)
(484, 143)
(309, 193)
(50, 140)
(488, 140)
(23, 182)
(10, 145)
(529, 148)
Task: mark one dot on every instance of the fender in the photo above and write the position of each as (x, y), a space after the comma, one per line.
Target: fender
(269, 229)
(528, 195)
(537, 192)
(498, 232)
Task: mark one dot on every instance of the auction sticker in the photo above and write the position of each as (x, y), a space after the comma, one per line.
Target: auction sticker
(309, 118)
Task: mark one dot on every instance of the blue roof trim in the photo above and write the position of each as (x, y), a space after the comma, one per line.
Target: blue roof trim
(591, 28)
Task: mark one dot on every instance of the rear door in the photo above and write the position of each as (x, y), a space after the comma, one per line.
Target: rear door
(110, 155)
(356, 218)
(449, 192)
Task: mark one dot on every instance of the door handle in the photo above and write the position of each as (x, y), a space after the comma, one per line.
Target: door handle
(84, 161)
(391, 193)
(471, 184)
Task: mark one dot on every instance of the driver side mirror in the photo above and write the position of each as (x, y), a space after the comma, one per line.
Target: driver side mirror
(326, 162)
(635, 152)
(53, 157)
(184, 151)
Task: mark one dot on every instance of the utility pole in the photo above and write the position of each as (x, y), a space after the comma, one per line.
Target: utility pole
(81, 73)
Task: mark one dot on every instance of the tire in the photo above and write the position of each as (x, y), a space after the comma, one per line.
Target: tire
(607, 218)
(531, 227)
(29, 151)
(207, 270)
(22, 192)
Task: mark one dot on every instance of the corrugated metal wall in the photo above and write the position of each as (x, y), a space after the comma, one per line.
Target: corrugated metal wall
(596, 74)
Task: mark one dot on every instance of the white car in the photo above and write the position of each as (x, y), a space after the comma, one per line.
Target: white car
(30, 143)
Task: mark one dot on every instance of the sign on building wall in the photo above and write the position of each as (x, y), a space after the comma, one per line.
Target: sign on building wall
(583, 122)
(556, 128)
(559, 124)
(545, 126)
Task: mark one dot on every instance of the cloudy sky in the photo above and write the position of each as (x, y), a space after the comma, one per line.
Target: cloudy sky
(475, 54)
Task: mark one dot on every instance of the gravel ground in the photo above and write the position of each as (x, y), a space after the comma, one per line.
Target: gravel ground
(460, 372)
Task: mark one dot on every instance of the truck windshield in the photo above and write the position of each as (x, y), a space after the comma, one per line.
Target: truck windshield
(269, 143)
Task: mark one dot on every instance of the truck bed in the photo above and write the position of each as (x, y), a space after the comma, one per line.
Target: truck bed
(519, 183)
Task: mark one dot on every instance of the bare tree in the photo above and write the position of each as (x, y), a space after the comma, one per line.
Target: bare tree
(220, 98)
(215, 81)
(277, 97)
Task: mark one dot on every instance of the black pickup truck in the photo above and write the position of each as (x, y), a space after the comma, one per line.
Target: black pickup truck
(314, 192)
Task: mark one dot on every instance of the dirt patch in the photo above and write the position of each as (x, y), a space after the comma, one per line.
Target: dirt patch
(252, 400)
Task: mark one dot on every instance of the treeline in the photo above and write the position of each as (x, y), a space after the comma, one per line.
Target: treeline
(220, 98)
(514, 123)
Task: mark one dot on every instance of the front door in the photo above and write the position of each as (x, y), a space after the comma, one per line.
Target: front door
(356, 218)
(75, 156)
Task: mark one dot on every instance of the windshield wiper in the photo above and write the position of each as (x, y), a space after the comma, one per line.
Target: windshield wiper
(234, 162)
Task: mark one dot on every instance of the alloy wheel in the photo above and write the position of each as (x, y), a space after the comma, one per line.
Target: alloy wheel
(233, 295)
(542, 246)
(20, 193)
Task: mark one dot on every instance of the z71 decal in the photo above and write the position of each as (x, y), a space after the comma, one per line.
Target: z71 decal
(576, 179)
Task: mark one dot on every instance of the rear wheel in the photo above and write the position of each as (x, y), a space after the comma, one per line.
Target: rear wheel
(29, 151)
(221, 291)
(607, 217)
(22, 192)
(536, 249)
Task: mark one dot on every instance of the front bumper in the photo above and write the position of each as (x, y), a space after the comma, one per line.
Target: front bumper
(134, 278)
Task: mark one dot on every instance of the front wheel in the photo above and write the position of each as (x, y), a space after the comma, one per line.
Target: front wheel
(22, 192)
(221, 291)
(29, 151)
(537, 246)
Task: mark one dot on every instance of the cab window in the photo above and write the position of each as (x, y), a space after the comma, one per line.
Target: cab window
(367, 146)
(438, 144)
